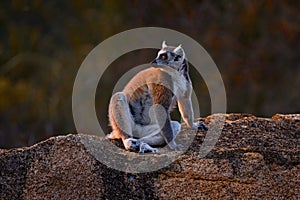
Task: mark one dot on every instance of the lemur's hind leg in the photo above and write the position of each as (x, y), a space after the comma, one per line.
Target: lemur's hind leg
(156, 139)
(121, 121)
(176, 126)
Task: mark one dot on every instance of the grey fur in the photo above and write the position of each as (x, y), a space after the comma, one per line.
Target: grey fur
(140, 114)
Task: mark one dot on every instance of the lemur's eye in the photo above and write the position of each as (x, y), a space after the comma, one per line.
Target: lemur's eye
(164, 56)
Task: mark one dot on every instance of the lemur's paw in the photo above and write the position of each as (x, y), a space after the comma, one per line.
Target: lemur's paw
(144, 147)
(200, 126)
(131, 144)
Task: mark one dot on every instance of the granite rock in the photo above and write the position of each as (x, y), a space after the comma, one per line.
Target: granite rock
(254, 158)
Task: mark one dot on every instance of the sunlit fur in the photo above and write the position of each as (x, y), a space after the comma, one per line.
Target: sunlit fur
(140, 114)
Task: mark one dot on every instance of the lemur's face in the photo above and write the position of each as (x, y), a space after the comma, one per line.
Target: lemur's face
(171, 56)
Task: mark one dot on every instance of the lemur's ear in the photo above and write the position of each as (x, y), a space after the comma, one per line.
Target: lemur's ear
(179, 51)
(164, 45)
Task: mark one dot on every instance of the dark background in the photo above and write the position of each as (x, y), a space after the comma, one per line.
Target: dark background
(255, 45)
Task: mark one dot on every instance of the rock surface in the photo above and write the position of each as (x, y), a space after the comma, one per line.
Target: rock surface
(254, 158)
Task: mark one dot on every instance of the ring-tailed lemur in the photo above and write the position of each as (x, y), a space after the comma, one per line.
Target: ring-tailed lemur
(140, 114)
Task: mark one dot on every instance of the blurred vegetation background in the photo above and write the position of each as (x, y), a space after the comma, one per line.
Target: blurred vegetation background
(255, 44)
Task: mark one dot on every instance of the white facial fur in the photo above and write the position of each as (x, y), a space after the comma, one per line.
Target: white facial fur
(171, 56)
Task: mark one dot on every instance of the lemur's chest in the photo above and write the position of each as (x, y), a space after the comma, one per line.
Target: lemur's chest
(179, 83)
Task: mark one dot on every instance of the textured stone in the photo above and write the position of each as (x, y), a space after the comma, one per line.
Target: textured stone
(254, 158)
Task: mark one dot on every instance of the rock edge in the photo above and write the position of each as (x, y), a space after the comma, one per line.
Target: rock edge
(254, 158)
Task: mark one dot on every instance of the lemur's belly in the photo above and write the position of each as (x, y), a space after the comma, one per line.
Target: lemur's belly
(139, 105)
(151, 130)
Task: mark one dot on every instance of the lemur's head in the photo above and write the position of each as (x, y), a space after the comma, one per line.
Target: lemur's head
(171, 56)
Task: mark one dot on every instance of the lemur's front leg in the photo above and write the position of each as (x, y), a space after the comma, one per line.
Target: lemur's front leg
(187, 113)
(162, 101)
(168, 128)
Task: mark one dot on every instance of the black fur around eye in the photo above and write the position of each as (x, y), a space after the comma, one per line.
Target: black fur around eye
(164, 56)
(177, 57)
